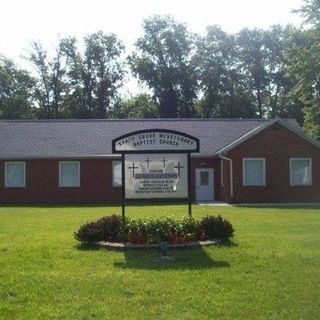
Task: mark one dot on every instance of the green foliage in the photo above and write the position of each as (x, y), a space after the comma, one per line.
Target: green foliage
(137, 107)
(216, 227)
(310, 11)
(16, 91)
(163, 61)
(90, 232)
(252, 73)
(76, 84)
(105, 229)
(154, 230)
(51, 84)
(303, 55)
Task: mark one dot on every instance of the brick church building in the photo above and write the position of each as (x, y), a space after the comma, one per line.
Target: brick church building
(240, 160)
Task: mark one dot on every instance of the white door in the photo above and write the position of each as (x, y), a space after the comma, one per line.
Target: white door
(204, 185)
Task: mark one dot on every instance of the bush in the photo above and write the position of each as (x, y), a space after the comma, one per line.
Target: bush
(140, 231)
(191, 228)
(153, 230)
(108, 228)
(111, 228)
(90, 232)
(216, 228)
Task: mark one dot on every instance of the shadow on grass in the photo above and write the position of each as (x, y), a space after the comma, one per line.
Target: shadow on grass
(227, 243)
(87, 247)
(186, 259)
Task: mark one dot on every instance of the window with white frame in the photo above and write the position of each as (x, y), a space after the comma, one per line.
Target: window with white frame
(300, 171)
(254, 171)
(15, 175)
(116, 173)
(69, 174)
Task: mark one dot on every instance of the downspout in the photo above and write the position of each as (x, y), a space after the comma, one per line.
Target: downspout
(231, 172)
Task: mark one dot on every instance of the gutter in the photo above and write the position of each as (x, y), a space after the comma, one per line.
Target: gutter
(231, 172)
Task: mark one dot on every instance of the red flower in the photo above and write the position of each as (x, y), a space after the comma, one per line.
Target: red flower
(202, 236)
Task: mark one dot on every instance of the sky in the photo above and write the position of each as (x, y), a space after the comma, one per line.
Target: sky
(22, 21)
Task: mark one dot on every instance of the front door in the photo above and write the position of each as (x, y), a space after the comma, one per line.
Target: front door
(204, 185)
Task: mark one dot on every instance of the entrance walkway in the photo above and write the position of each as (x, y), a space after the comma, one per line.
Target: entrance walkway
(213, 203)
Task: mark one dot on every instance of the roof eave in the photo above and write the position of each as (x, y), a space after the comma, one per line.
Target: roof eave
(61, 156)
(107, 156)
(255, 131)
(245, 137)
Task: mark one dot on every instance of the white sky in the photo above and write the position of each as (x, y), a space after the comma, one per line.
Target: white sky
(24, 20)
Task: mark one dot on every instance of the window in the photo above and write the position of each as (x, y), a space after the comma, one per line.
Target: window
(69, 174)
(254, 171)
(300, 171)
(116, 173)
(204, 178)
(15, 174)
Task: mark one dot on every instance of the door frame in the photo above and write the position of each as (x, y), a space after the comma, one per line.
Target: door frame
(213, 188)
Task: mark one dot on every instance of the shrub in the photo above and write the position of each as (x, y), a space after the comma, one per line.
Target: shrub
(111, 228)
(90, 232)
(216, 228)
(191, 228)
(140, 231)
(108, 228)
(153, 230)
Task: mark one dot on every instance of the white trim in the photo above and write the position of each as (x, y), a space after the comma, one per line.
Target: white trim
(59, 157)
(243, 172)
(221, 173)
(5, 174)
(79, 179)
(290, 172)
(245, 137)
(210, 181)
(231, 172)
(299, 132)
(113, 184)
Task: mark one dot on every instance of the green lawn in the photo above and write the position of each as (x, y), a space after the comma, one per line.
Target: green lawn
(271, 272)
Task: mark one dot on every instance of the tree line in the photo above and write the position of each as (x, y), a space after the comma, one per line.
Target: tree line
(250, 74)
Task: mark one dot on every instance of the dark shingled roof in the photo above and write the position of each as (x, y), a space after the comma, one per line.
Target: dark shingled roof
(92, 138)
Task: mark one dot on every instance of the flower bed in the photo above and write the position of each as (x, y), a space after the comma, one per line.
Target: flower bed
(151, 231)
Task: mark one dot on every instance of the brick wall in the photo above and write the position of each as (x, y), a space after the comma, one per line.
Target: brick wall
(42, 184)
(277, 145)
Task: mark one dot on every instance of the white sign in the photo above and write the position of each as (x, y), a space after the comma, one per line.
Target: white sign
(156, 176)
(155, 140)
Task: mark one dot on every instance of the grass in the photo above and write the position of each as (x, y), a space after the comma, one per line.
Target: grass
(271, 272)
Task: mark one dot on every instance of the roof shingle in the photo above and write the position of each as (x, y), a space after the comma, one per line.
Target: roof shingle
(92, 138)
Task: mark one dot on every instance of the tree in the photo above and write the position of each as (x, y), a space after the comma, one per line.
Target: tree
(211, 59)
(303, 54)
(304, 67)
(279, 99)
(262, 63)
(95, 75)
(252, 59)
(310, 11)
(164, 62)
(221, 82)
(51, 83)
(137, 107)
(16, 91)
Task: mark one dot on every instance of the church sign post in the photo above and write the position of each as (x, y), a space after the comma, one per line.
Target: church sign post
(155, 165)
